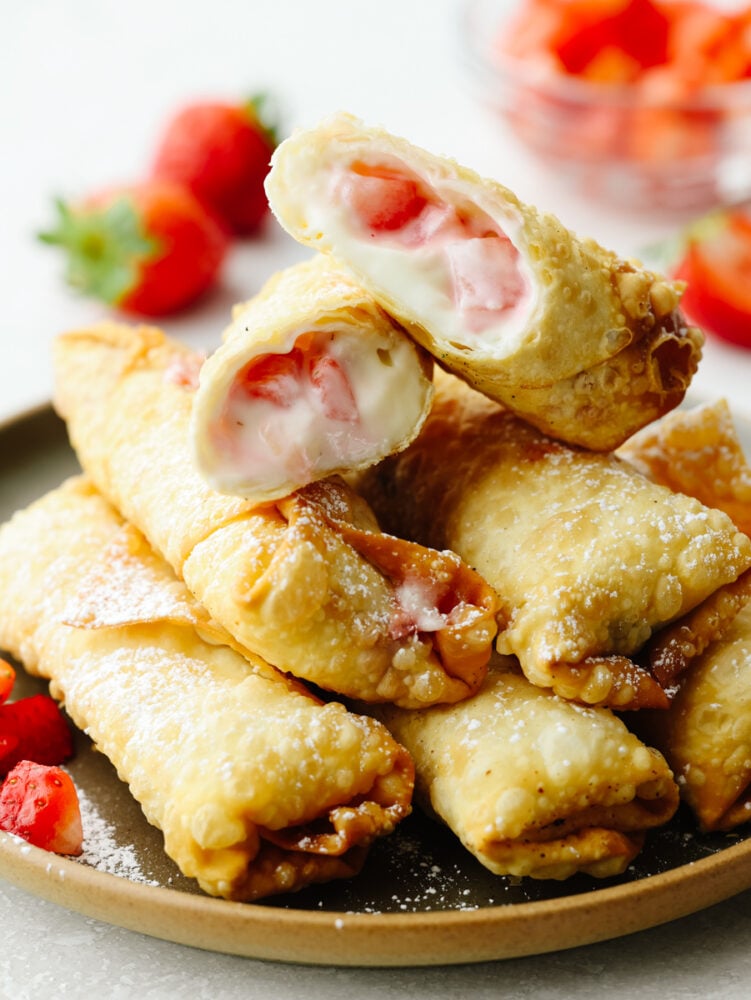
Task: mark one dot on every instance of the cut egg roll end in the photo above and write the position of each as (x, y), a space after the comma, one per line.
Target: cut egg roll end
(313, 379)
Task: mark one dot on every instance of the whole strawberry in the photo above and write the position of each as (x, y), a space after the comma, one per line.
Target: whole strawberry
(149, 248)
(221, 151)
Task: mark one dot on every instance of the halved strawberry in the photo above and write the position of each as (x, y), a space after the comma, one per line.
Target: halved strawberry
(33, 729)
(7, 679)
(40, 804)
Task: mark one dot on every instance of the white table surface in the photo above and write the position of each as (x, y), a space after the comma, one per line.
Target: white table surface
(84, 86)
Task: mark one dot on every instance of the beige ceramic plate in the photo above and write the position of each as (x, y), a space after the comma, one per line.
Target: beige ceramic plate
(421, 899)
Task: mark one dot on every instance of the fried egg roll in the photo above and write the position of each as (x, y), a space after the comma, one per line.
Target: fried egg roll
(534, 785)
(697, 451)
(590, 559)
(706, 733)
(584, 345)
(257, 786)
(309, 583)
(304, 386)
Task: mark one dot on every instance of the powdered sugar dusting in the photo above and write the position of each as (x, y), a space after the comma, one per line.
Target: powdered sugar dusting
(101, 849)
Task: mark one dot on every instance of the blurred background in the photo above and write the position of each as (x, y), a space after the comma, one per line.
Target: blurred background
(86, 87)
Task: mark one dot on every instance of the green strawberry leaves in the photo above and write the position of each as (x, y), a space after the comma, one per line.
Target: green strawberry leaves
(106, 247)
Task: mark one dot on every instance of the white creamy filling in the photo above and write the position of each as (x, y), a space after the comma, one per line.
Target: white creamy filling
(416, 599)
(357, 408)
(473, 292)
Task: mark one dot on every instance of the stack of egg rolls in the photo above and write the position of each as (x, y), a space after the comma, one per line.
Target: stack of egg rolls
(589, 559)
(307, 498)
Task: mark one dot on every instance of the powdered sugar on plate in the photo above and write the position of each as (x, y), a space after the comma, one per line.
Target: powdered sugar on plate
(101, 849)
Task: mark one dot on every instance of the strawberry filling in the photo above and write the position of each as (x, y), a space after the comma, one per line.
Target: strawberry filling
(288, 414)
(479, 267)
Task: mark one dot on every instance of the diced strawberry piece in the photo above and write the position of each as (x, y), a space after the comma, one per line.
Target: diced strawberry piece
(40, 804)
(7, 679)
(382, 198)
(485, 273)
(333, 389)
(33, 729)
(274, 377)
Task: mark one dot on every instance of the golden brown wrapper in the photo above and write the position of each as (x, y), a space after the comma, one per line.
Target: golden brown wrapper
(595, 348)
(534, 785)
(257, 786)
(590, 560)
(697, 451)
(706, 733)
(283, 579)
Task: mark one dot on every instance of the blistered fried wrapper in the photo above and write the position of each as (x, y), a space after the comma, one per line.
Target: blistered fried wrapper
(697, 451)
(534, 785)
(586, 346)
(309, 583)
(610, 584)
(257, 786)
(706, 733)
(313, 379)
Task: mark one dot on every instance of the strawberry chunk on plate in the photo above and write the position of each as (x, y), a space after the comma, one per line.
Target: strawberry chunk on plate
(34, 729)
(40, 804)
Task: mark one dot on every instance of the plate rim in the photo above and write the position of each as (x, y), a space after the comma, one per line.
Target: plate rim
(374, 939)
(378, 939)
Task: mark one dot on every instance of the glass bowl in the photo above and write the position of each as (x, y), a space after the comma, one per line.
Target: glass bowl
(621, 144)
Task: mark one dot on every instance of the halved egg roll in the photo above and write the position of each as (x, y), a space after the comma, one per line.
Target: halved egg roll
(588, 557)
(534, 785)
(313, 379)
(257, 786)
(586, 346)
(309, 583)
(706, 733)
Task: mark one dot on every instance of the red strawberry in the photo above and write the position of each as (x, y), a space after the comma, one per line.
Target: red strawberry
(33, 729)
(7, 679)
(150, 248)
(221, 152)
(40, 804)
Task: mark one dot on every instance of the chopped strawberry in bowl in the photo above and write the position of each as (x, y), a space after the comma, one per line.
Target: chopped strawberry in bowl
(645, 103)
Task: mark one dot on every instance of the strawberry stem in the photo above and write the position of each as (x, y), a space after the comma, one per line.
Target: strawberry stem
(263, 110)
(106, 247)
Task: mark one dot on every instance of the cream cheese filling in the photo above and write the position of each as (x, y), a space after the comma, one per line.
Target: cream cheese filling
(315, 402)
